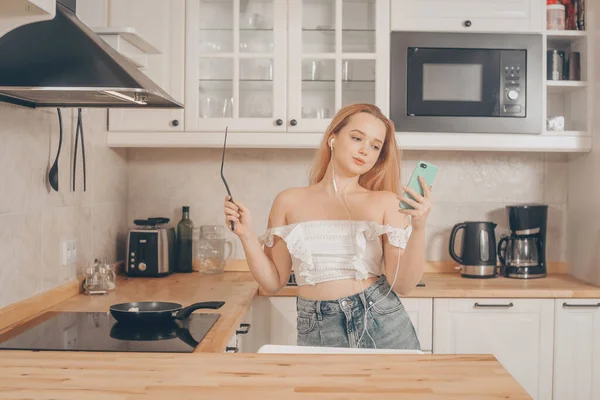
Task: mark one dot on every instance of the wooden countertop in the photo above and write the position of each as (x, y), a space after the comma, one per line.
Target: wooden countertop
(119, 376)
(449, 285)
(236, 289)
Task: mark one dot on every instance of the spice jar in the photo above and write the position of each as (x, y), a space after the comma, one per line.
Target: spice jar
(555, 15)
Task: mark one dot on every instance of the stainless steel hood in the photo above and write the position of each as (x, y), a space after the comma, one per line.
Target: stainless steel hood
(63, 63)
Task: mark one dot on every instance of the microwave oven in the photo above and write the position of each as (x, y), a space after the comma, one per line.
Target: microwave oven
(466, 82)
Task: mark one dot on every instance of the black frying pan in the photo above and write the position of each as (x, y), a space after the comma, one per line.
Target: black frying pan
(144, 333)
(153, 312)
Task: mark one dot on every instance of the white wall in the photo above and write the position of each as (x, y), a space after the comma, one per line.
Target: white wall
(34, 219)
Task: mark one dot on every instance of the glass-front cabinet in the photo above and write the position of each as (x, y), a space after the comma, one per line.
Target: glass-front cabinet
(332, 59)
(235, 65)
(279, 65)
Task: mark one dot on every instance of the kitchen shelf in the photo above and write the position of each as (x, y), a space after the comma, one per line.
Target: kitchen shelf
(332, 30)
(129, 43)
(16, 13)
(566, 133)
(563, 86)
(407, 141)
(231, 30)
(565, 33)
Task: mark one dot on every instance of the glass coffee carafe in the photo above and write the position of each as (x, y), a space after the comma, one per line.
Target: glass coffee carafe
(210, 249)
(519, 251)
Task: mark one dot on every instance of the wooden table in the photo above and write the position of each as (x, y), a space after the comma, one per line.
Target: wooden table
(120, 376)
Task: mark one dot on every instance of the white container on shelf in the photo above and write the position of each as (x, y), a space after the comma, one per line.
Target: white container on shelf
(555, 17)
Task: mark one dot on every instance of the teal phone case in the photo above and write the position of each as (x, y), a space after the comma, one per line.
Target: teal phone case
(428, 171)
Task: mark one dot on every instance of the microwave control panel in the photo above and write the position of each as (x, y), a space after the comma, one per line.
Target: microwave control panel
(513, 83)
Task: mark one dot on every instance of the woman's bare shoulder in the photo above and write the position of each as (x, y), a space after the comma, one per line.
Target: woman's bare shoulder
(290, 196)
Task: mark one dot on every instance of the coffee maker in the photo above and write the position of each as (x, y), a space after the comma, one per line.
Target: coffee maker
(523, 252)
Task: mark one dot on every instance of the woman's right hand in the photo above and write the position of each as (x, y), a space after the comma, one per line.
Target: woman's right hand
(240, 215)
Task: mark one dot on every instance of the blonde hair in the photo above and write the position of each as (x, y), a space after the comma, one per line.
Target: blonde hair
(385, 174)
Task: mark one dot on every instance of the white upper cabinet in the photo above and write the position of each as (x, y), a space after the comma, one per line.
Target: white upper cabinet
(518, 332)
(577, 349)
(161, 24)
(280, 66)
(467, 15)
(151, 34)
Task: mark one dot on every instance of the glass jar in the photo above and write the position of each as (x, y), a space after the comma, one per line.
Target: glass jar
(210, 250)
(95, 281)
(109, 275)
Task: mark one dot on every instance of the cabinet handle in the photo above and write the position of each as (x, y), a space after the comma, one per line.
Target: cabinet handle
(229, 349)
(175, 122)
(581, 305)
(279, 122)
(494, 305)
(293, 122)
(243, 332)
(467, 23)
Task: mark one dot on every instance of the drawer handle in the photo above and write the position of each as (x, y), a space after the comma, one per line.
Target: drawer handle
(231, 349)
(581, 305)
(241, 331)
(494, 305)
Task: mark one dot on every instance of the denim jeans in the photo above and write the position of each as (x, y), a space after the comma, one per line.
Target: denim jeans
(341, 322)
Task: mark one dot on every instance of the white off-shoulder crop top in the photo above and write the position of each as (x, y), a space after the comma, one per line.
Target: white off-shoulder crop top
(326, 250)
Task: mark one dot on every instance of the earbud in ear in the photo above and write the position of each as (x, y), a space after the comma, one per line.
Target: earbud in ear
(331, 143)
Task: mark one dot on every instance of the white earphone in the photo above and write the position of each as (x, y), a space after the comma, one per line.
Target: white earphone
(335, 188)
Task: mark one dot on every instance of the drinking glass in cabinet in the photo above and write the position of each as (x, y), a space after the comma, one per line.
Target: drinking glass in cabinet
(358, 26)
(256, 26)
(256, 88)
(318, 88)
(358, 81)
(216, 26)
(318, 26)
(215, 88)
(215, 106)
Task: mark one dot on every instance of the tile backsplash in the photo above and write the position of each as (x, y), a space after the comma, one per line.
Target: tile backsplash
(34, 219)
(469, 186)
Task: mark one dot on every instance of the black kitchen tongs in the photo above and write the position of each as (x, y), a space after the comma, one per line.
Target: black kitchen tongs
(223, 177)
(79, 132)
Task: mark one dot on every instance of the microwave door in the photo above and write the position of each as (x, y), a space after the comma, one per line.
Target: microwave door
(453, 82)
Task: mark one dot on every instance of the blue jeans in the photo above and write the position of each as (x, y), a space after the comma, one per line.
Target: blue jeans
(341, 322)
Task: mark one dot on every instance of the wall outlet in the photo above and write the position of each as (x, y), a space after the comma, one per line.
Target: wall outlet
(69, 251)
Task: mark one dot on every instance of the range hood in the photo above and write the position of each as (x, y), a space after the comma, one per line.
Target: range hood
(63, 63)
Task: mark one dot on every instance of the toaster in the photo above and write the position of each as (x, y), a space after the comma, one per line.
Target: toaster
(150, 248)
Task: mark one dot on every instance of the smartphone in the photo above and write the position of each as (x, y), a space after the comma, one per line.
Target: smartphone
(428, 172)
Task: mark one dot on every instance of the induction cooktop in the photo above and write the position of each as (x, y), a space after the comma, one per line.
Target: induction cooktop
(99, 331)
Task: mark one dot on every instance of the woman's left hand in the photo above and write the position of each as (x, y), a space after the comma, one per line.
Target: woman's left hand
(421, 204)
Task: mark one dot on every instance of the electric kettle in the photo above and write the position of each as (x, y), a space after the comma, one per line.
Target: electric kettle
(478, 249)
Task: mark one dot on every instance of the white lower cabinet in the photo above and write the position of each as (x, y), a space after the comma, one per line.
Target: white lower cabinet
(253, 331)
(283, 320)
(518, 332)
(282, 326)
(577, 349)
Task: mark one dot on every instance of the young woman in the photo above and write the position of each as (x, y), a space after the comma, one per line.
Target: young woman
(350, 245)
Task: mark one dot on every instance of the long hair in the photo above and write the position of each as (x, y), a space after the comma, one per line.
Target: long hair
(385, 174)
